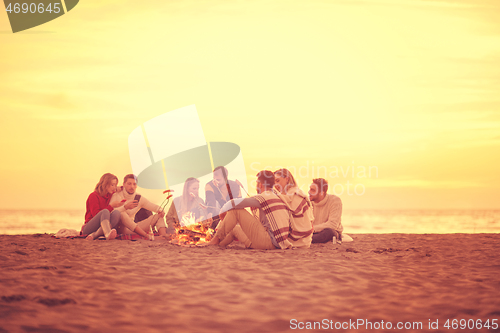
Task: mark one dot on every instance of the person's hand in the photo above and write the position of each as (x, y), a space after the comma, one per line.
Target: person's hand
(161, 214)
(131, 204)
(117, 204)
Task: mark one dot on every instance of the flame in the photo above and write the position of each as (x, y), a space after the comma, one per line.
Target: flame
(188, 219)
(188, 232)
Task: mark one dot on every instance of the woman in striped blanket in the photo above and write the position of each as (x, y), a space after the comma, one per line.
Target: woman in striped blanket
(299, 205)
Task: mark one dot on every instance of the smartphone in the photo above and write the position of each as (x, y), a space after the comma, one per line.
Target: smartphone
(137, 197)
(124, 200)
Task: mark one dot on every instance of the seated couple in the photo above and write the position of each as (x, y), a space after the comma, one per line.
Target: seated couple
(278, 221)
(327, 208)
(110, 213)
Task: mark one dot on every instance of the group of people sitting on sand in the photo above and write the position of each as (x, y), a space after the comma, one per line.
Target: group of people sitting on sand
(282, 215)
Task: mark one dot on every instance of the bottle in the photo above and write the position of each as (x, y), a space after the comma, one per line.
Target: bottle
(151, 235)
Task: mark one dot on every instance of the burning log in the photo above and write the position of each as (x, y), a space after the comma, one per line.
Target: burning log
(188, 232)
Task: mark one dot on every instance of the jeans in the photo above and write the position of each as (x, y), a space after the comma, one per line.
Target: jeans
(326, 235)
(95, 222)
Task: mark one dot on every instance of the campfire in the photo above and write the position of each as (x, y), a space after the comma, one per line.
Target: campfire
(188, 232)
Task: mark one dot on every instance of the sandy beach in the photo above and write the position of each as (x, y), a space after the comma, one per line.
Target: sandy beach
(73, 285)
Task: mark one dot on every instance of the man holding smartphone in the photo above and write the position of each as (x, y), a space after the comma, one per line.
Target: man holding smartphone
(133, 203)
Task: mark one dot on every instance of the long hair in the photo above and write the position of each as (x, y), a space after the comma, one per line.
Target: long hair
(285, 173)
(104, 182)
(185, 205)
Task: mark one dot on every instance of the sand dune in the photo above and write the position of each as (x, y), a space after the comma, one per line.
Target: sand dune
(72, 285)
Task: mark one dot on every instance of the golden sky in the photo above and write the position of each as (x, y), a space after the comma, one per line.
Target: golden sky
(407, 87)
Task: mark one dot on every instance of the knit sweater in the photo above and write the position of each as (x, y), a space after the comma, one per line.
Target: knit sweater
(95, 203)
(327, 213)
(143, 203)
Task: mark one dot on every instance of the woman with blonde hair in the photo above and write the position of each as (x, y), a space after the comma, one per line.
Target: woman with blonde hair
(189, 202)
(100, 217)
(299, 205)
(283, 181)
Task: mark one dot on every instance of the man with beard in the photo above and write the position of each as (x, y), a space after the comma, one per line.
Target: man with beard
(219, 191)
(133, 203)
(327, 210)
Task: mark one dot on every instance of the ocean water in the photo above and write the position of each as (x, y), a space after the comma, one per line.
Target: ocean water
(421, 221)
(19, 222)
(16, 222)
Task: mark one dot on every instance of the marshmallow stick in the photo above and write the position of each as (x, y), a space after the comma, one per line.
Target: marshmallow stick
(162, 206)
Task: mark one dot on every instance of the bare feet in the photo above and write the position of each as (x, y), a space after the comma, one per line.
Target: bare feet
(90, 237)
(111, 235)
(214, 241)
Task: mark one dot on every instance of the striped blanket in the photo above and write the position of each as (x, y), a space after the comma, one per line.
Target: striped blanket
(281, 216)
(300, 206)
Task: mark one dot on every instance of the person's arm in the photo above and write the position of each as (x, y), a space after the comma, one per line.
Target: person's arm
(334, 216)
(94, 204)
(116, 202)
(146, 204)
(239, 204)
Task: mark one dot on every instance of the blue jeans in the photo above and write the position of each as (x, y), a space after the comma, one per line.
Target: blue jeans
(95, 223)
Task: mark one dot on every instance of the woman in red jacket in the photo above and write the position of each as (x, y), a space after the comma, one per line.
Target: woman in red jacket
(101, 218)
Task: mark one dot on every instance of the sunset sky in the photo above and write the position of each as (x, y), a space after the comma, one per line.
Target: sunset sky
(407, 87)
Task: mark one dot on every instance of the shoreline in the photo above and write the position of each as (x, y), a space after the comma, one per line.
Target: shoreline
(71, 285)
